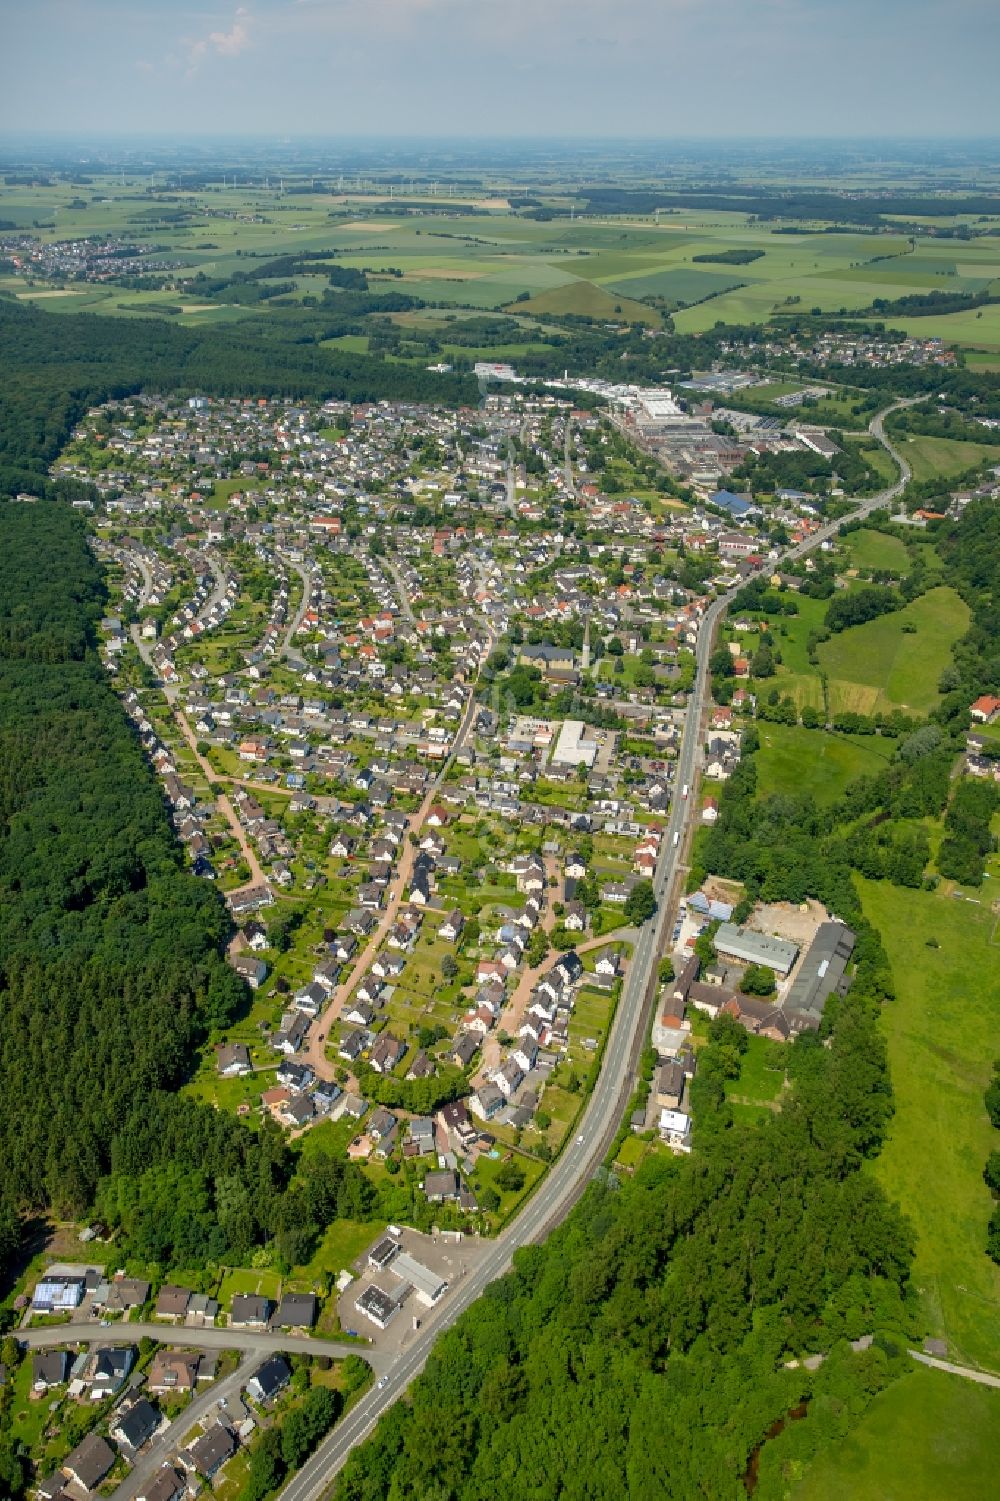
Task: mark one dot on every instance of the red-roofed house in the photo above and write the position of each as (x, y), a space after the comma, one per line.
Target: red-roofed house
(985, 709)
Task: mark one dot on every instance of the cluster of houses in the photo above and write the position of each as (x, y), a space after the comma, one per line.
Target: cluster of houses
(982, 753)
(136, 1386)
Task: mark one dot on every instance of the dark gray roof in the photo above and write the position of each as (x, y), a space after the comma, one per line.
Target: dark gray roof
(271, 1377)
(820, 973)
(296, 1310)
(139, 1424)
(90, 1461)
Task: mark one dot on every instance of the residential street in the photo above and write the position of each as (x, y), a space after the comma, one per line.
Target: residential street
(567, 1179)
(314, 1054)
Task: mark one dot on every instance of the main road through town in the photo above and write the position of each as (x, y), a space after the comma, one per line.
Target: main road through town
(584, 1154)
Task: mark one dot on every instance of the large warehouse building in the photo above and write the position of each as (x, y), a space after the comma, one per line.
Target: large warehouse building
(747, 947)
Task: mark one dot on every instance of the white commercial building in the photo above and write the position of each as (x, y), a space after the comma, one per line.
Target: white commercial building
(575, 744)
(427, 1285)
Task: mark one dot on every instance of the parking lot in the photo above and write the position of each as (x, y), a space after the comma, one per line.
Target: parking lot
(449, 1254)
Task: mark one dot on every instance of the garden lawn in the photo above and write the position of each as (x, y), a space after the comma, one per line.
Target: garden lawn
(929, 1436)
(793, 759)
(882, 666)
(762, 1076)
(248, 1281)
(942, 1035)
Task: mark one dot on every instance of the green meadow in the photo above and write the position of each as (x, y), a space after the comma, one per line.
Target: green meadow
(942, 1035)
(927, 1437)
(942, 458)
(868, 549)
(896, 660)
(815, 763)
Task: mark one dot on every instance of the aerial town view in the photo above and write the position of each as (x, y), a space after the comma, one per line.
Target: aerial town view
(499, 753)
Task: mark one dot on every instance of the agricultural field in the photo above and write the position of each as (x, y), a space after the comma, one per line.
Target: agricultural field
(489, 259)
(816, 763)
(896, 660)
(927, 1436)
(942, 1036)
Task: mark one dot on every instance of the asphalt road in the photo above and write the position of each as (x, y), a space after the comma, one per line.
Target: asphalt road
(287, 650)
(166, 1443)
(404, 598)
(258, 1341)
(580, 1159)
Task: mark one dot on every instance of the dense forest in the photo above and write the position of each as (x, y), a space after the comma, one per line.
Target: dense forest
(111, 966)
(869, 211)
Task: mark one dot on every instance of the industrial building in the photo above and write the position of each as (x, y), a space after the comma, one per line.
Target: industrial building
(427, 1285)
(821, 972)
(747, 947)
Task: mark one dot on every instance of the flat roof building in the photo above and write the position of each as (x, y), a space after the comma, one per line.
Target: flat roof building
(382, 1252)
(574, 745)
(377, 1306)
(748, 947)
(427, 1285)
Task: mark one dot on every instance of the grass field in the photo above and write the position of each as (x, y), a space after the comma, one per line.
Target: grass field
(942, 1035)
(681, 284)
(876, 550)
(941, 458)
(930, 1436)
(796, 760)
(880, 665)
(342, 1243)
(977, 326)
(249, 1281)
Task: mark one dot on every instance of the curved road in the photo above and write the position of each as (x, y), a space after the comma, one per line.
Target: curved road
(287, 650)
(582, 1157)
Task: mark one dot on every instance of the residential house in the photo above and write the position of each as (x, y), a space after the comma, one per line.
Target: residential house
(451, 928)
(89, 1462)
(232, 1060)
(269, 1379)
(382, 1129)
(441, 1185)
(209, 1453)
(295, 1311)
(250, 1311)
(137, 1425)
(464, 1049)
(173, 1371)
(172, 1303)
(387, 1053)
(166, 1485)
(49, 1368)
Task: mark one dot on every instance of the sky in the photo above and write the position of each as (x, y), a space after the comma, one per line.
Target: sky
(654, 68)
